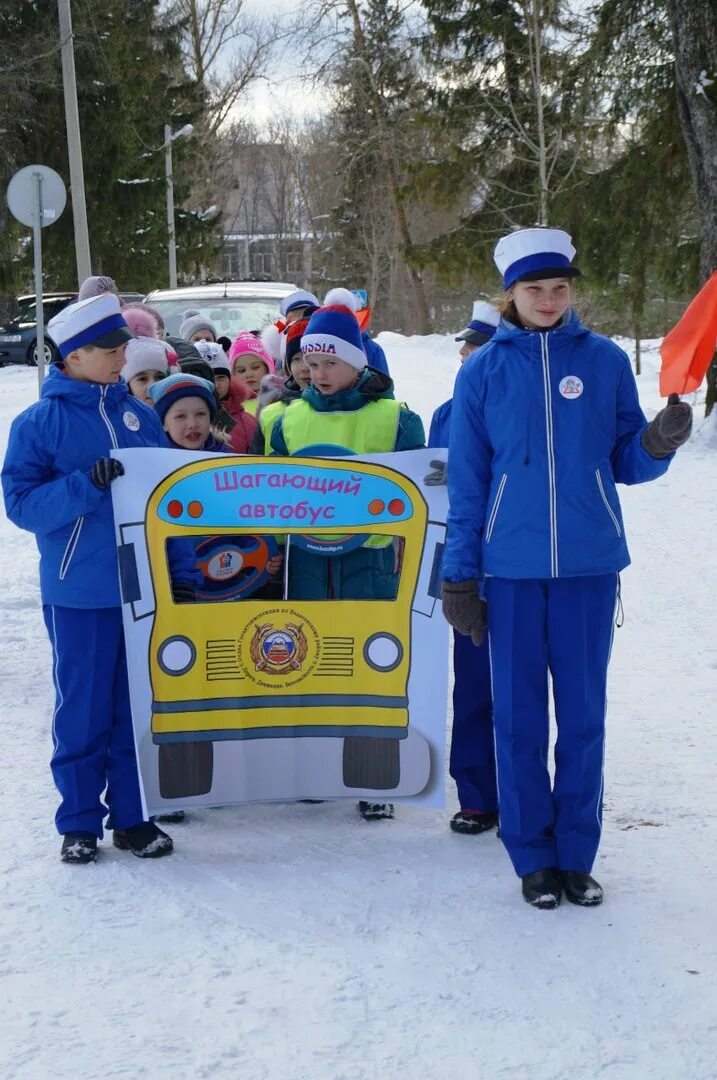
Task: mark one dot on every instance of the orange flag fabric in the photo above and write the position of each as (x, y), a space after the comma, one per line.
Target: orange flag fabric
(688, 349)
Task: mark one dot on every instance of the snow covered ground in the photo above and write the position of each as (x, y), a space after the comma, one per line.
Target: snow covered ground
(299, 943)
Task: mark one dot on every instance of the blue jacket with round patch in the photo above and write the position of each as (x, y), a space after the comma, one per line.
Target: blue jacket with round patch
(47, 488)
(543, 426)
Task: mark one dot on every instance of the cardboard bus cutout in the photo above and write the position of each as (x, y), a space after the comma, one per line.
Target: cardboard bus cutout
(248, 692)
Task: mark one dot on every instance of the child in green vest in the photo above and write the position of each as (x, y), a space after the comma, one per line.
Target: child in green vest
(349, 408)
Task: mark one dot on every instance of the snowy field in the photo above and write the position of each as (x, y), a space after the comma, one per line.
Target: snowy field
(297, 942)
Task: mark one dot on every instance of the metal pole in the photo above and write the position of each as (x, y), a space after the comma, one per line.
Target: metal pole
(74, 144)
(37, 253)
(171, 241)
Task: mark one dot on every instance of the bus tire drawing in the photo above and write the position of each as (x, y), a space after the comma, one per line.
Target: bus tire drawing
(266, 668)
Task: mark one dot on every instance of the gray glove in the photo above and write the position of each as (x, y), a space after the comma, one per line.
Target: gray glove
(670, 429)
(438, 476)
(464, 609)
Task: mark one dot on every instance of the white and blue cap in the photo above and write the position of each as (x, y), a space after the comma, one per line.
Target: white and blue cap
(334, 332)
(483, 324)
(298, 299)
(530, 254)
(97, 321)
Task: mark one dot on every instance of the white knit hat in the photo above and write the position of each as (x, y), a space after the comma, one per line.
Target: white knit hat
(144, 354)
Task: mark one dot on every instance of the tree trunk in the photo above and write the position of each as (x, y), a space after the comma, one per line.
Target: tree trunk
(694, 34)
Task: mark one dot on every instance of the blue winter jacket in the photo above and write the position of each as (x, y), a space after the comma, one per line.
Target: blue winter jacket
(374, 353)
(440, 430)
(543, 427)
(46, 483)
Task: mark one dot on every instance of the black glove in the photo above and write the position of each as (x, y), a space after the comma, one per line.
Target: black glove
(183, 592)
(670, 429)
(438, 476)
(105, 470)
(464, 609)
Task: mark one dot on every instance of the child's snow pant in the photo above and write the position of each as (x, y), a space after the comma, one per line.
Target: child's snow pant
(563, 626)
(472, 763)
(92, 724)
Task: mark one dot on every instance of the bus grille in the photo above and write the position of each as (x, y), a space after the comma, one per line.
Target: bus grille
(337, 657)
(223, 660)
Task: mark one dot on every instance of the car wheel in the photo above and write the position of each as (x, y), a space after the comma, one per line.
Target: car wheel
(31, 357)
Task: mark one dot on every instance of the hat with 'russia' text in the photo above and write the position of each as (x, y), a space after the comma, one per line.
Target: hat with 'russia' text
(531, 254)
(98, 322)
(334, 332)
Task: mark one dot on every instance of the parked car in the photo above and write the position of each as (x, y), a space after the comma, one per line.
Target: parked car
(18, 338)
(231, 305)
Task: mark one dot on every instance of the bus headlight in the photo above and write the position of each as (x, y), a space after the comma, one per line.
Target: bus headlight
(176, 655)
(383, 652)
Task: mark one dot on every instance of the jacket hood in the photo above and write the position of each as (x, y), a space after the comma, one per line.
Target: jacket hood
(371, 386)
(57, 385)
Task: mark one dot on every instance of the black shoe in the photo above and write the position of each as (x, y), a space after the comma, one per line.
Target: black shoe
(375, 811)
(79, 847)
(473, 822)
(542, 889)
(170, 815)
(580, 888)
(145, 841)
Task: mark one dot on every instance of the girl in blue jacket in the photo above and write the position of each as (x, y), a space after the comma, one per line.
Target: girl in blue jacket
(545, 422)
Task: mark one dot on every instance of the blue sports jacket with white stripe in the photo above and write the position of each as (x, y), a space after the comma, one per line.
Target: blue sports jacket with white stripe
(543, 425)
(48, 491)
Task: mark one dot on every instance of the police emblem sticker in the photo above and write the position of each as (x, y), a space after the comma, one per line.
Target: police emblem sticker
(131, 421)
(571, 387)
(282, 648)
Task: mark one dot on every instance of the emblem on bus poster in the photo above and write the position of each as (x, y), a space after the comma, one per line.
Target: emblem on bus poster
(282, 644)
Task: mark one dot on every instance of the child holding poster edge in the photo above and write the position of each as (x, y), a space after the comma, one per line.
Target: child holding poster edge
(56, 482)
(348, 408)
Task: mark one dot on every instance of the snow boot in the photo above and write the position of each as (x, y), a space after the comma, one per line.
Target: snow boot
(473, 822)
(542, 889)
(170, 815)
(580, 888)
(375, 811)
(79, 847)
(145, 840)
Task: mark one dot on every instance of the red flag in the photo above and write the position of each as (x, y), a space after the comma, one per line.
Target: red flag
(688, 349)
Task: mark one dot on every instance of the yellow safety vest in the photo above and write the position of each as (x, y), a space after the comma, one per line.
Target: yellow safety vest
(369, 430)
(251, 406)
(267, 418)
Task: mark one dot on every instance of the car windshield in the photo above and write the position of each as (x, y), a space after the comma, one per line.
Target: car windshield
(27, 312)
(228, 315)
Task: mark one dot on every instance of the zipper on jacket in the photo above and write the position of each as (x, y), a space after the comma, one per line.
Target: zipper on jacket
(496, 507)
(105, 417)
(69, 551)
(609, 509)
(552, 493)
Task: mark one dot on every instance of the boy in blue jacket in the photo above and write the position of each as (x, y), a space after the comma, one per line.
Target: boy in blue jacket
(472, 760)
(56, 483)
(349, 408)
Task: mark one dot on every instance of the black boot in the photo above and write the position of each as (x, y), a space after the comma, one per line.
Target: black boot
(542, 889)
(375, 811)
(170, 815)
(473, 822)
(580, 888)
(145, 840)
(79, 847)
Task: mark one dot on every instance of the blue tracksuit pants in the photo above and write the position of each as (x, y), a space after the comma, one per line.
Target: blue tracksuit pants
(472, 762)
(563, 626)
(92, 724)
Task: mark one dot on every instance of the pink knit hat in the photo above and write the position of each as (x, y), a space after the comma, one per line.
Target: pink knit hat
(140, 322)
(246, 343)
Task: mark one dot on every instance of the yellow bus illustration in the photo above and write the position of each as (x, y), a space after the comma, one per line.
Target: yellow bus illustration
(258, 668)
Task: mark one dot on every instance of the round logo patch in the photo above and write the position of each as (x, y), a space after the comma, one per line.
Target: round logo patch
(571, 387)
(131, 421)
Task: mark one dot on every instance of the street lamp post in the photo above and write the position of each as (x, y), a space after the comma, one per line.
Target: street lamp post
(169, 137)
